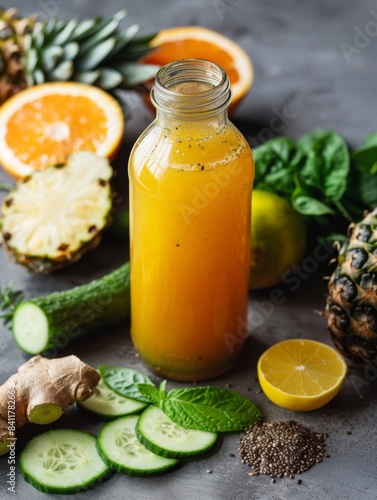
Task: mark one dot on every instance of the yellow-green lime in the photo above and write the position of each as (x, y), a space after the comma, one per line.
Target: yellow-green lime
(278, 239)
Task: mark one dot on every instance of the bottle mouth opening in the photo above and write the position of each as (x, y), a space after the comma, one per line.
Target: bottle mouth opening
(191, 87)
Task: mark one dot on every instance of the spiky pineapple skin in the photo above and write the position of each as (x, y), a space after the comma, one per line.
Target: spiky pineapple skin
(351, 307)
(13, 30)
(45, 265)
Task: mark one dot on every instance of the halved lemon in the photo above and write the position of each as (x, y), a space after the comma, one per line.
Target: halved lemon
(301, 374)
(195, 41)
(42, 125)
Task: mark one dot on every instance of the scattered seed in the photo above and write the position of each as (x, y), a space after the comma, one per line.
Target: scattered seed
(349, 433)
(228, 385)
(299, 481)
(232, 455)
(281, 449)
(209, 471)
(258, 391)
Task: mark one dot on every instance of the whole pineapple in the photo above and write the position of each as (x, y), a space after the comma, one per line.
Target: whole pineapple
(351, 308)
(12, 33)
(92, 51)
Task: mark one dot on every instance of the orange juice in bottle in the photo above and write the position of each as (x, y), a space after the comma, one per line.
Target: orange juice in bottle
(191, 176)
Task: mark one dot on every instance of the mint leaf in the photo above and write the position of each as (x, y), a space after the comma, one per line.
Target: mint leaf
(211, 409)
(163, 389)
(124, 381)
(150, 393)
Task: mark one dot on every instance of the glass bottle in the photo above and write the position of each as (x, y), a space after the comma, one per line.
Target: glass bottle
(191, 175)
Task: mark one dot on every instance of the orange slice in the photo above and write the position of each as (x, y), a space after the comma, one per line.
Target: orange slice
(194, 41)
(42, 125)
(301, 374)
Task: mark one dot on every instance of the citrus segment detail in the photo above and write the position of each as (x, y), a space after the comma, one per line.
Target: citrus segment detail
(301, 374)
(44, 124)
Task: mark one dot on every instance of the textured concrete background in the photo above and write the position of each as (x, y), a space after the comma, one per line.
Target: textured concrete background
(304, 70)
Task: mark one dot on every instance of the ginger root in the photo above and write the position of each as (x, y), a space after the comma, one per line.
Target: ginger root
(41, 390)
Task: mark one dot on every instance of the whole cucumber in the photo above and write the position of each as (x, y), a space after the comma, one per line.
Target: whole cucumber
(51, 322)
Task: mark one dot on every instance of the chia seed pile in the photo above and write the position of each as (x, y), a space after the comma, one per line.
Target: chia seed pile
(281, 449)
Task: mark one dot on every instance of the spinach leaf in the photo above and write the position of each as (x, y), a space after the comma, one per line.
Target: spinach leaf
(307, 205)
(276, 163)
(211, 409)
(124, 381)
(365, 159)
(363, 189)
(327, 164)
(371, 140)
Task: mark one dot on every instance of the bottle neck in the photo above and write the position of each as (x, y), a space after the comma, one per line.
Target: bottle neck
(191, 89)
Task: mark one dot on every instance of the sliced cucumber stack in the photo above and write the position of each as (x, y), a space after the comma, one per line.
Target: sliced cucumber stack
(62, 461)
(159, 434)
(121, 450)
(106, 404)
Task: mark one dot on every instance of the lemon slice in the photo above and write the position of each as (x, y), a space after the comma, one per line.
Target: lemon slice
(301, 374)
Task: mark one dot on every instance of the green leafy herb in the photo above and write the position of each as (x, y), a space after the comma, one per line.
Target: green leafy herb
(307, 205)
(125, 381)
(277, 162)
(327, 185)
(327, 163)
(150, 393)
(365, 159)
(371, 139)
(211, 409)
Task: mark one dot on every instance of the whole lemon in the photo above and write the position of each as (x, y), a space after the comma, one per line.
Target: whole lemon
(278, 239)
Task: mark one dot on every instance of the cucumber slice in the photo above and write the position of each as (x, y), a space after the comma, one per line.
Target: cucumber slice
(106, 404)
(62, 461)
(120, 449)
(157, 432)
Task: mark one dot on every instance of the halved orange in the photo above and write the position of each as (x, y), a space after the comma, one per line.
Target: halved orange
(197, 42)
(301, 374)
(42, 125)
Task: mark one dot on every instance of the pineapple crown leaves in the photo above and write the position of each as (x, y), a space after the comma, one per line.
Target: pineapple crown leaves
(9, 300)
(92, 51)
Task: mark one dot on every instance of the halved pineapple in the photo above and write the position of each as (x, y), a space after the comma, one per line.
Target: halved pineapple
(57, 214)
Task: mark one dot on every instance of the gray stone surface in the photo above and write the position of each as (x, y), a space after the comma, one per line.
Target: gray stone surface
(300, 67)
